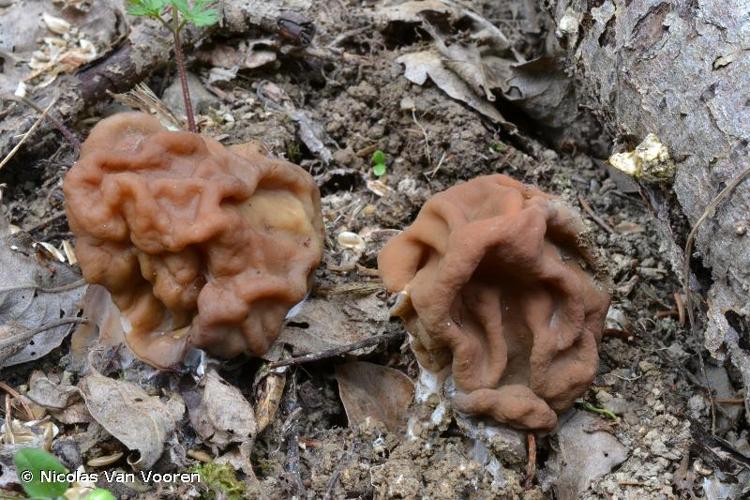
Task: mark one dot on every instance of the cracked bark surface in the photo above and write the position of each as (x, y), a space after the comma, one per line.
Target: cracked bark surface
(680, 69)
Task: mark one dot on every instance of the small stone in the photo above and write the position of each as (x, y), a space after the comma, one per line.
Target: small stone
(646, 366)
(697, 405)
(603, 396)
(344, 156)
(201, 98)
(407, 104)
(618, 406)
(68, 451)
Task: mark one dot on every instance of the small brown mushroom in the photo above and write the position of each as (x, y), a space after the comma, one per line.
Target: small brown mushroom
(199, 244)
(497, 284)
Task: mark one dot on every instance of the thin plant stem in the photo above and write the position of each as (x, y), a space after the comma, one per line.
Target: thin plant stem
(179, 59)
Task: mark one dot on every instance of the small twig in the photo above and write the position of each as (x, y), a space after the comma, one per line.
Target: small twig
(43, 223)
(27, 134)
(75, 143)
(337, 351)
(730, 401)
(334, 479)
(680, 307)
(9, 421)
(426, 138)
(62, 288)
(15, 339)
(439, 164)
(594, 216)
(292, 437)
(709, 391)
(14, 393)
(531, 464)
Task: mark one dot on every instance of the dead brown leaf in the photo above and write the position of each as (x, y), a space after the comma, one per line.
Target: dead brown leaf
(582, 456)
(376, 392)
(222, 415)
(320, 324)
(34, 292)
(139, 421)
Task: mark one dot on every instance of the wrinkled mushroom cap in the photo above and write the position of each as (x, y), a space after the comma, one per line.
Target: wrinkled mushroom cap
(497, 283)
(199, 244)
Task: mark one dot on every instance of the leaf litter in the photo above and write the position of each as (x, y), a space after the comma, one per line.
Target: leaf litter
(139, 421)
(34, 292)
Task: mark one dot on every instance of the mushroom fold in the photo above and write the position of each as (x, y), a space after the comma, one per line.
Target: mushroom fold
(199, 244)
(496, 283)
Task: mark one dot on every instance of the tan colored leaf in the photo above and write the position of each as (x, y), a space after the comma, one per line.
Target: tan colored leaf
(139, 421)
(223, 415)
(33, 292)
(429, 64)
(326, 323)
(374, 391)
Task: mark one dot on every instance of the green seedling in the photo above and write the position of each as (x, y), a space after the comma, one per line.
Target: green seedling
(378, 163)
(100, 494)
(595, 409)
(175, 15)
(30, 463)
(499, 147)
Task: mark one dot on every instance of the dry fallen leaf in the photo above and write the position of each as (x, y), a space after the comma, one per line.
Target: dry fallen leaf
(139, 421)
(319, 324)
(476, 68)
(33, 292)
(582, 456)
(52, 394)
(376, 392)
(222, 415)
(61, 399)
(418, 66)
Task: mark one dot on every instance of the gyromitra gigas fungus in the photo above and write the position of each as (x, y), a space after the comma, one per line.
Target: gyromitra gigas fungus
(497, 282)
(199, 244)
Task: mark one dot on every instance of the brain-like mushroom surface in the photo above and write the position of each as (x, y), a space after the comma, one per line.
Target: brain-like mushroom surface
(496, 283)
(199, 244)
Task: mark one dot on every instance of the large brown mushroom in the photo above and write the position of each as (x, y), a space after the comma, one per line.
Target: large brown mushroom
(199, 244)
(497, 284)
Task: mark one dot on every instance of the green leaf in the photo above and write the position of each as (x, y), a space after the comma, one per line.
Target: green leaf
(30, 463)
(378, 169)
(148, 8)
(100, 494)
(182, 6)
(378, 157)
(200, 14)
(204, 18)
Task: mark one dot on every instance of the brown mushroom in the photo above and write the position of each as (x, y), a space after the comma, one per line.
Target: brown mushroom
(496, 283)
(199, 244)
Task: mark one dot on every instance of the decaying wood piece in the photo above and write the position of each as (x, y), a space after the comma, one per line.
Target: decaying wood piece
(140, 47)
(679, 70)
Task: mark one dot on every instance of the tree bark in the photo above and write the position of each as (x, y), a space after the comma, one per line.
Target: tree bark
(681, 69)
